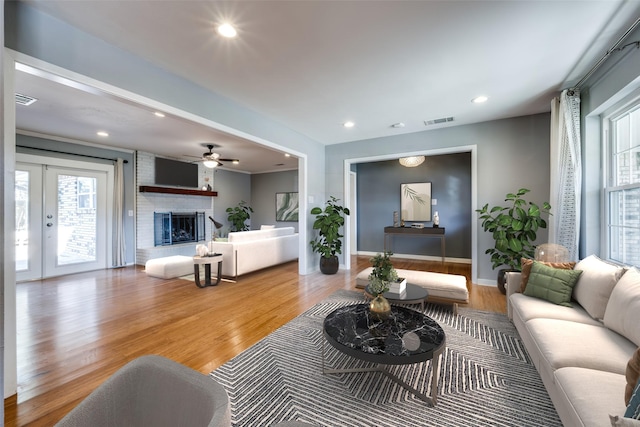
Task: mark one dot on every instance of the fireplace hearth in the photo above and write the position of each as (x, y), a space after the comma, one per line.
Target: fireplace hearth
(173, 228)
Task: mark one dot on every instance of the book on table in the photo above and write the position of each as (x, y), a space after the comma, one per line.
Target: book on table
(399, 286)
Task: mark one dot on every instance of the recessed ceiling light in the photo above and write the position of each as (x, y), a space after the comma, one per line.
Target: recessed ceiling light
(102, 133)
(227, 30)
(480, 99)
(158, 114)
(287, 155)
(348, 124)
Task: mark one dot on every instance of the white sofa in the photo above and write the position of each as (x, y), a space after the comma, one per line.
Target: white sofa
(247, 251)
(582, 351)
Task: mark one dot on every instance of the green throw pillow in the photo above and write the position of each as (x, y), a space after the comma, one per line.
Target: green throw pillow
(552, 284)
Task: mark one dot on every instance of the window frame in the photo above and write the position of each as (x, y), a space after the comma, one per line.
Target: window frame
(625, 108)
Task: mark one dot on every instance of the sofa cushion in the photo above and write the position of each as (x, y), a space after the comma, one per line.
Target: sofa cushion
(595, 284)
(586, 397)
(563, 343)
(526, 264)
(527, 308)
(623, 309)
(552, 284)
(632, 375)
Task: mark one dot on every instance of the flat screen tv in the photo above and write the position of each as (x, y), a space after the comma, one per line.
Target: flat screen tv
(176, 173)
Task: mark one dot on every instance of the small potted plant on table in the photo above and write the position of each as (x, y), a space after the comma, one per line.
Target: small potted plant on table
(380, 280)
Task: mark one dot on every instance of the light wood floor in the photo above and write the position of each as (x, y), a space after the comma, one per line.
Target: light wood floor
(75, 331)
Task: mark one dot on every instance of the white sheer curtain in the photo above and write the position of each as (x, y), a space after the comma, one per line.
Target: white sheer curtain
(566, 171)
(119, 245)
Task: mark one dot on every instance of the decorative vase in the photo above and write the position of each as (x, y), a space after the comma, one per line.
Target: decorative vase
(329, 265)
(380, 308)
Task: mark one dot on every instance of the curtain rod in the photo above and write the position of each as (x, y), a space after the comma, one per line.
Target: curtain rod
(73, 154)
(609, 52)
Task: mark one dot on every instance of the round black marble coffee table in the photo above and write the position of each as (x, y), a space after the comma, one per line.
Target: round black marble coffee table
(406, 337)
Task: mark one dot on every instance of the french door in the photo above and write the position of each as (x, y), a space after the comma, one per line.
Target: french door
(62, 219)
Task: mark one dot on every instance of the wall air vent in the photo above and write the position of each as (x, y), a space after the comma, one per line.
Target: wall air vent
(24, 99)
(438, 121)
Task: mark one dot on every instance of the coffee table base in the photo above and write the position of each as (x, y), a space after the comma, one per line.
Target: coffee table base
(432, 400)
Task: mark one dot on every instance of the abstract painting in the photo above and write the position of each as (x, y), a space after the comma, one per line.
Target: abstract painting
(287, 207)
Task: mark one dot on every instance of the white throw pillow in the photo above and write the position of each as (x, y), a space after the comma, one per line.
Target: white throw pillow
(595, 284)
(623, 310)
(267, 227)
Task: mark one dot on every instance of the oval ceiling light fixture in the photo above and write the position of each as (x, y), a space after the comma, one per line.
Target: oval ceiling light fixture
(411, 161)
(480, 99)
(227, 30)
(158, 114)
(349, 124)
(102, 133)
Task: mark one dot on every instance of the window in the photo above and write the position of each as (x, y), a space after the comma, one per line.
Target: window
(86, 192)
(622, 190)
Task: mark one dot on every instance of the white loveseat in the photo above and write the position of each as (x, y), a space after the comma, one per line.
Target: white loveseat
(582, 351)
(247, 251)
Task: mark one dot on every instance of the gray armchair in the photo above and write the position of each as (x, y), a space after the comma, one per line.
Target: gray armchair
(153, 391)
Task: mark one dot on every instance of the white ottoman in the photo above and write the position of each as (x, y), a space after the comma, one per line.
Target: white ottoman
(169, 267)
(444, 288)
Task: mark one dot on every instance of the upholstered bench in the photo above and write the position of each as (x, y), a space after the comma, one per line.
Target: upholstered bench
(442, 288)
(169, 267)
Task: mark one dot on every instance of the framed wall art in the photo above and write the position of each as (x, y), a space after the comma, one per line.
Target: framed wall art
(287, 207)
(415, 201)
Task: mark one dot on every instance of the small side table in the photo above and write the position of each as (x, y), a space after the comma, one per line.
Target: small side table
(415, 295)
(207, 261)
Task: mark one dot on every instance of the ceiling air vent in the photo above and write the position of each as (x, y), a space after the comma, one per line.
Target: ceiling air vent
(24, 99)
(438, 121)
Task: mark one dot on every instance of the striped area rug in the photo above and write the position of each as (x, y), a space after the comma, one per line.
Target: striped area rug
(486, 378)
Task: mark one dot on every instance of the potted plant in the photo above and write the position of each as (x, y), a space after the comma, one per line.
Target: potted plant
(328, 242)
(238, 215)
(382, 275)
(380, 279)
(514, 229)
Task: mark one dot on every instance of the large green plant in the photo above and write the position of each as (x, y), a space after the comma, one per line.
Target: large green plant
(514, 228)
(328, 242)
(238, 215)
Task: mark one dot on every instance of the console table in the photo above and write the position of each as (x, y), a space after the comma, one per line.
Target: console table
(428, 232)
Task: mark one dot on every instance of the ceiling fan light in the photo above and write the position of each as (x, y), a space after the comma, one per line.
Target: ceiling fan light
(411, 161)
(210, 163)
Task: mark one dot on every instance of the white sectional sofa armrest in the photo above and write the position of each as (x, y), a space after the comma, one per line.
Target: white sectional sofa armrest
(514, 278)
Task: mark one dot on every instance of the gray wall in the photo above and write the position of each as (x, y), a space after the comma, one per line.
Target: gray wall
(511, 153)
(232, 188)
(264, 187)
(33, 144)
(378, 185)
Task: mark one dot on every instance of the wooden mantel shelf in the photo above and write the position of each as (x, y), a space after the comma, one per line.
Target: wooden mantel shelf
(169, 190)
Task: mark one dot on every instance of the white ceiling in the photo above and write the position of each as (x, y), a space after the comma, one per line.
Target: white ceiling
(312, 65)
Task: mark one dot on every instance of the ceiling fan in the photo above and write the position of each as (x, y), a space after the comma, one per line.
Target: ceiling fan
(212, 160)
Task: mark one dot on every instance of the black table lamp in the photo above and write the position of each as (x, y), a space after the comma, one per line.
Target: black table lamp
(216, 226)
